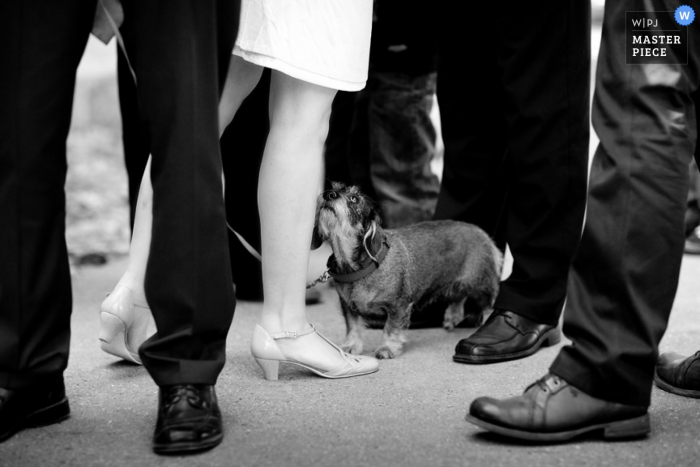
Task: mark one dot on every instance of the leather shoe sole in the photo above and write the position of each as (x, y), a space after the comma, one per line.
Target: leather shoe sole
(547, 339)
(675, 390)
(48, 415)
(189, 446)
(637, 427)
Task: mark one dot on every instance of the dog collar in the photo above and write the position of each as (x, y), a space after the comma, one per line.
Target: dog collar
(367, 267)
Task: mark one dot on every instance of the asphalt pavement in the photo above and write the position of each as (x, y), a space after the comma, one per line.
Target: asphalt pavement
(409, 413)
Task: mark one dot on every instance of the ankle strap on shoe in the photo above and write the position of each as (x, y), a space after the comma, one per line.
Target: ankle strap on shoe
(292, 334)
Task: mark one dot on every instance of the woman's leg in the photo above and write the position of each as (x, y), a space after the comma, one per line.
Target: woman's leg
(241, 80)
(125, 314)
(135, 272)
(290, 181)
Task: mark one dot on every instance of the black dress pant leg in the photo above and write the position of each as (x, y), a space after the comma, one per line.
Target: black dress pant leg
(242, 146)
(41, 43)
(135, 141)
(514, 96)
(625, 273)
(470, 99)
(180, 53)
(545, 64)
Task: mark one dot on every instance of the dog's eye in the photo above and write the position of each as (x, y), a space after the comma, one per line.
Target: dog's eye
(353, 199)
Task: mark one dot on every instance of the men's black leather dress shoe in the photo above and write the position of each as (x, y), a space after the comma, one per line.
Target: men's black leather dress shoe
(189, 419)
(505, 336)
(43, 404)
(551, 410)
(679, 374)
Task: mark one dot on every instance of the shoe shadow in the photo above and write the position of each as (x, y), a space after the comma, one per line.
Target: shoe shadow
(488, 437)
(122, 369)
(123, 364)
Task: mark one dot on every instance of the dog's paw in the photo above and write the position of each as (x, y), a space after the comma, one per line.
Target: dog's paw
(448, 324)
(454, 314)
(353, 347)
(387, 352)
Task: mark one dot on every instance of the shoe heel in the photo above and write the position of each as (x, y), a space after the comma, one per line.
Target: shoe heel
(269, 367)
(632, 428)
(553, 339)
(111, 327)
(113, 338)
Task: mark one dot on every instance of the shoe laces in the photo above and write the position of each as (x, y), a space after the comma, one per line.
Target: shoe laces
(542, 382)
(187, 391)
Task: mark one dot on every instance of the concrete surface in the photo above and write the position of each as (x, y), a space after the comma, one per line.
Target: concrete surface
(410, 413)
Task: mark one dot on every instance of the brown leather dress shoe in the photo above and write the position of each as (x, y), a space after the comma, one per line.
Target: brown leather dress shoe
(189, 419)
(552, 410)
(42, 404)
(679, 374)
(505, 336)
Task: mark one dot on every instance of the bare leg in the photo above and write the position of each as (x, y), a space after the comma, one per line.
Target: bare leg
(241, 80)
(289, 184)
(140, 241)
(125, 318)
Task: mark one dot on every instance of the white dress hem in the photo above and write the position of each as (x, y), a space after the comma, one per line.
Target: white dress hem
(296, 72)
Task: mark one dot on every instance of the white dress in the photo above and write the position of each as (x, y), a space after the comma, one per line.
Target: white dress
(324, 42)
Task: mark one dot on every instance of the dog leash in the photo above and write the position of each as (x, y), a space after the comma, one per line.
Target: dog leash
(323, 278)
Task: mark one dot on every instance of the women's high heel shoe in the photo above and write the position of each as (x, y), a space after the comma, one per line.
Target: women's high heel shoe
(123, 325)
(269, 356)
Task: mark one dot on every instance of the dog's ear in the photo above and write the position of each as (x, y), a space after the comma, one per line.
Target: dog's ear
(373, 219)
(316, 240)
(371, 224)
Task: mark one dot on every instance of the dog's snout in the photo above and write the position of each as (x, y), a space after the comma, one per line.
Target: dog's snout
(329, 195)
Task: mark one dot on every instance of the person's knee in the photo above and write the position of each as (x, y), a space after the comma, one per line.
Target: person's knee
(300, 107)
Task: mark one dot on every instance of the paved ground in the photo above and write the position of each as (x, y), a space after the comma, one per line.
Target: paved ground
(410, 413)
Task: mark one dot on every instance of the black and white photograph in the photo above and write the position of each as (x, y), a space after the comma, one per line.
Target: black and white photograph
(349, 233)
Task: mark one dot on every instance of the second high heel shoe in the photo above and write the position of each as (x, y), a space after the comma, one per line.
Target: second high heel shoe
(123, 324)
(269, 355)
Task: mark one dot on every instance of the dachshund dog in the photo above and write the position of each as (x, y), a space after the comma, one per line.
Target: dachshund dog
(387, 274)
